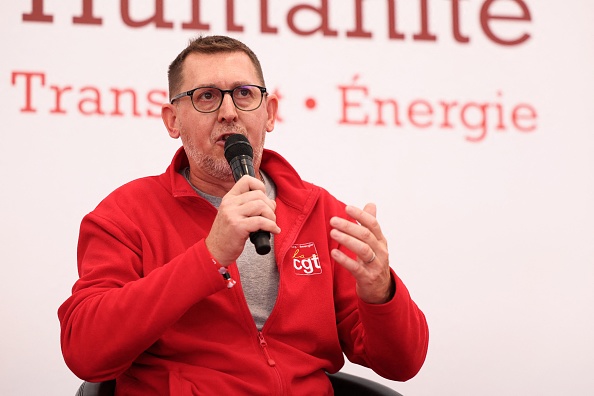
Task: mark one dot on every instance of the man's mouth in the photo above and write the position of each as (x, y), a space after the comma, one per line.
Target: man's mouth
(224, 137)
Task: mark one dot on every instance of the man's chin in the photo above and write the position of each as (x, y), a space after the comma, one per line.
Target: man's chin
(221, 170)
(217, 168)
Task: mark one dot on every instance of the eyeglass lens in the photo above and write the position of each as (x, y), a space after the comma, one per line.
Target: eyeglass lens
(209, 99)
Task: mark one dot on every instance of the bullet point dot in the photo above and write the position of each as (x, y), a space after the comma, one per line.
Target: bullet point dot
(310, 103)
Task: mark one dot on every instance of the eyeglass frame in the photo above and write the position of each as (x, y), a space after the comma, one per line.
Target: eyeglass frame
(190, 93)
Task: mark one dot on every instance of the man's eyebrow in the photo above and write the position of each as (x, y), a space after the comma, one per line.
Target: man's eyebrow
(233, 85)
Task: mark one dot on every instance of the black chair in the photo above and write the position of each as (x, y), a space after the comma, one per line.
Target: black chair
(106, 388)
(350, 385)
(344, 385)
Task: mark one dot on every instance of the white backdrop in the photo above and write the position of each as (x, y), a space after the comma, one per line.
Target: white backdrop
(483, 177)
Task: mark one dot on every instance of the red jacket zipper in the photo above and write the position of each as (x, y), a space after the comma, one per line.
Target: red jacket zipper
(264, 347)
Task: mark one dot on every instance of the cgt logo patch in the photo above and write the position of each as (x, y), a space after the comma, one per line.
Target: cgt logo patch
(305, 259)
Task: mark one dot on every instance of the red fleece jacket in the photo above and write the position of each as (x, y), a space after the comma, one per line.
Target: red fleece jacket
(151, 310)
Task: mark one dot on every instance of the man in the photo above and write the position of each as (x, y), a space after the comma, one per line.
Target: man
(151, 308)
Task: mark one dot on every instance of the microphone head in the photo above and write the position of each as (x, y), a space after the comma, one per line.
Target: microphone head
(236, 145)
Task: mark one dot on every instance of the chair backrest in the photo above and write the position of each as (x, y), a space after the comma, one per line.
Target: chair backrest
(350, 385)
(106, 388)
(344, 385)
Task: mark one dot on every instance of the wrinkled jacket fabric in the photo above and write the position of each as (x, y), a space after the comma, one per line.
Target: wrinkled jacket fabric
(151, 310)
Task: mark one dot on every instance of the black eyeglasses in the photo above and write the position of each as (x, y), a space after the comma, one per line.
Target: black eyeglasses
(209, 99)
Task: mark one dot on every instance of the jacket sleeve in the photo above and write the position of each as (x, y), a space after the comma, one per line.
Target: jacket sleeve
(391, 338)
(116, 311)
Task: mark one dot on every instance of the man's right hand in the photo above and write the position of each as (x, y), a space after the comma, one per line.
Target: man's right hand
(244, 209)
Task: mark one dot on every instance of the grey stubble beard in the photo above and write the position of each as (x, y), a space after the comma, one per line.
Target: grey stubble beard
(216, 167)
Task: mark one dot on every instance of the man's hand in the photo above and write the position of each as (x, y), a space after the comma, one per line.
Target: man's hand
(371, 269)
(244, 209)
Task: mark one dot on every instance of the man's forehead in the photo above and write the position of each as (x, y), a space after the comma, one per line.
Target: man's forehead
(224, 65)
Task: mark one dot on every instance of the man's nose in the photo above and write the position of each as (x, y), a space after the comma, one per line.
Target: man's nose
(227, 111)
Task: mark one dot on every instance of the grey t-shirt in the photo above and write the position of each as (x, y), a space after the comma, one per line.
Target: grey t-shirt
(259, 274)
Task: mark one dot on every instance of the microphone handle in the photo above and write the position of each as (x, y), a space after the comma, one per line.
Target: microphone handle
(243, 165)
(261, 241)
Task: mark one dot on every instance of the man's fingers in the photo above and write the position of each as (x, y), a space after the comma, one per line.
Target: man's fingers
(352, 243)
(245, 184)
(366, 217)
(371, 209)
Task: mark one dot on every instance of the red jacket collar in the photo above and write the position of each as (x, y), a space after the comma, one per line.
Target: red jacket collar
(290, 187)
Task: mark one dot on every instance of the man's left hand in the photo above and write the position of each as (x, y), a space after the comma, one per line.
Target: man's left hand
(371, 268)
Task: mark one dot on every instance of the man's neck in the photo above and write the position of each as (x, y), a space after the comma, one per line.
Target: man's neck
(210, 185)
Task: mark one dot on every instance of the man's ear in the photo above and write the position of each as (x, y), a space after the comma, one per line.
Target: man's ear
(271, 108)
(169, 116)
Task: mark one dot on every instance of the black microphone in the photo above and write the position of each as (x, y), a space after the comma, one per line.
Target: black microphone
(239, 154)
